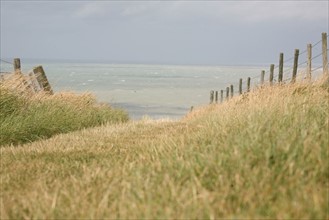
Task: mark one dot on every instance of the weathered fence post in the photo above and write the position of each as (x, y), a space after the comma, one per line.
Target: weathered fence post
(216, 97)
(248, 84)
(240, 86)
(42, 79)
(211, 96)
(17, 65)
(262, 76)
(294, 70)
(221, 96)
(18, 72)
(232, 91)
(227, 93)
(271, 74)
(325, 54)
(35, 84)
(281, 68)
(309, 62)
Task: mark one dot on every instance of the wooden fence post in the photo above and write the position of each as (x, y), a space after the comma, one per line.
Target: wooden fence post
(309, 62)
(240, 86)
(227, 93)
(17, 65)
(325, 54)
(262, 76)
(248, 84)
(294, 70)
(271, 74)
(34, 82)
(42, 79)
(211, 96)
(221, 96)
(216, 97)
(232, 91)
(281, 68)
(18, 72)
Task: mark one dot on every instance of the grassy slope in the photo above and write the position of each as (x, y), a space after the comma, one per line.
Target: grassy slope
(25, 117)
(262, 155)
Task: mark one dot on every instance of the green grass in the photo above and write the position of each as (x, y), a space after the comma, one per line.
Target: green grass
(26, 119)
(261, 155)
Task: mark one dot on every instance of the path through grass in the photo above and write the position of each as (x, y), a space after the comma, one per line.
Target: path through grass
(262, 155)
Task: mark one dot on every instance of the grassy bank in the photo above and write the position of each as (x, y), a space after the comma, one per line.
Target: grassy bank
(261, 155)
(26, 118)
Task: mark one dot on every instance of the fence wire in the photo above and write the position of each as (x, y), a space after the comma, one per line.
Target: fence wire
(4, 65)
(4, 61)
(285, 72)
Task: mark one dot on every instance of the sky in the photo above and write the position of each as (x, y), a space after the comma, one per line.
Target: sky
(160, 32)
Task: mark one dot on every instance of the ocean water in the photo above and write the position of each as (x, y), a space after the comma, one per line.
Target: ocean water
(156, 91)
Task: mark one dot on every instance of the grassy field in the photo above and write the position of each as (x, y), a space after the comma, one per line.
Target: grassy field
(260, 155)
(27, 117)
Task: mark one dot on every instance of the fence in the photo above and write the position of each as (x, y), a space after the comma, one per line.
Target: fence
(214, 95)
(35, 81)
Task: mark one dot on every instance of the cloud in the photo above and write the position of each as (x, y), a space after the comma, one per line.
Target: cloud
(91, 9)
(260, 12)
(159, 30)
(255, 11)
(135, 10)
(251, 12)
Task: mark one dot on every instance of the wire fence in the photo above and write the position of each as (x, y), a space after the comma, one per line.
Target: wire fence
(287, 72)
(4, 63)
(255, 79)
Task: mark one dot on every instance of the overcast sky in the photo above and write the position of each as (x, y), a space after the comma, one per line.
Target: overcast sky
(164, 32)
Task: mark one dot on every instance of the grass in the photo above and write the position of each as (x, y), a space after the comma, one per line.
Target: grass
(260, 155)
(28, 117)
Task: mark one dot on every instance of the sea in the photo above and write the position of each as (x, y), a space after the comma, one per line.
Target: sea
(144, 90)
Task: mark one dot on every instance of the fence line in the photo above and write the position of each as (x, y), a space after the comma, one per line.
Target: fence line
(292, 69)
(37, 80)
(34, 81)
(4, 61)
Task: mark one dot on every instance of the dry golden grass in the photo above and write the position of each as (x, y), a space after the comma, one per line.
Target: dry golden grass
(28, 116)
(17, 83)
(261, 155)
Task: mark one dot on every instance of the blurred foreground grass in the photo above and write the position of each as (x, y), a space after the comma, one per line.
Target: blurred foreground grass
(260, 155)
